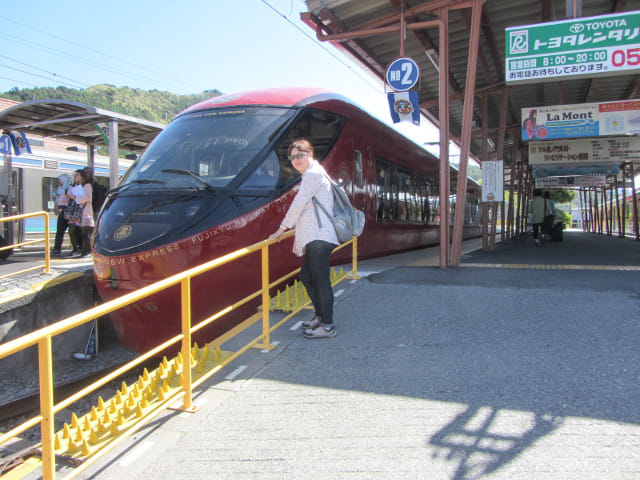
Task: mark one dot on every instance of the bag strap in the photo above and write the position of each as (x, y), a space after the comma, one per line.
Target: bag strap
(316, 204)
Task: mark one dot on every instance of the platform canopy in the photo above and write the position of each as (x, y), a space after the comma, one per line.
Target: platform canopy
(356, 26)
(77, 122)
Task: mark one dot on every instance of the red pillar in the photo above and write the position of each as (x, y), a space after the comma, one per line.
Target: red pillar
(470, 86)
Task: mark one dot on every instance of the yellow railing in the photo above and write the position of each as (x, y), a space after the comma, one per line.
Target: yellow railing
(47, 254)
(43, 338)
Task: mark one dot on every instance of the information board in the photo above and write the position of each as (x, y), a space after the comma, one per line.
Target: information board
(582, 181)
(492, 181)
(584, 151)
(574, 48)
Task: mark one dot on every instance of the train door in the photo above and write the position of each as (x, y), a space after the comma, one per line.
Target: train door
(12, 203)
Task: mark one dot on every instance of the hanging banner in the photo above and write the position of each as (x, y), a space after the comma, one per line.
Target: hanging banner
(404, 107)
(581, 120)
(581, 151)
(492, 181)
(574, 48)
(20, 143)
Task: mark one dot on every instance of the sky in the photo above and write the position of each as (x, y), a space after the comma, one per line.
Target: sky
(181, 47)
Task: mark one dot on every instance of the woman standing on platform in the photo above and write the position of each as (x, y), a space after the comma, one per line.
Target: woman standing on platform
(314, 238)
(85, 224)
(61, 205)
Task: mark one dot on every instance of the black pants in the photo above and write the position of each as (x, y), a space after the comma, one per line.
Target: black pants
(60, 229)
(536, 228)
(315, 276)
(76, 237)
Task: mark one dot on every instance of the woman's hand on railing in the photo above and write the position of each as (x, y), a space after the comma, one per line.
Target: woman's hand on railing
(277, 235)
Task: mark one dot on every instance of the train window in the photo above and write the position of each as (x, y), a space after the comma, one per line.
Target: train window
(358, 168)
(212, 145)
(384, 195)
(49, 187)
(320, 128)
(404, 196)
(266, 176)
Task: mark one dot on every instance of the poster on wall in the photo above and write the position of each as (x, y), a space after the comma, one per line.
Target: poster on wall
(492, 181)
(581, 120)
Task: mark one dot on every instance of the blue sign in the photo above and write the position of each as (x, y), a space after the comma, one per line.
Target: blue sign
(5, 145)
(542, 171)
(402, 74)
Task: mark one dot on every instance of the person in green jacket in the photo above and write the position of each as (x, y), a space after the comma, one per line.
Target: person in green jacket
(536, 208)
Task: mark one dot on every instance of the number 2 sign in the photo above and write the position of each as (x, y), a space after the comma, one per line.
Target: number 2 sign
(402, 74)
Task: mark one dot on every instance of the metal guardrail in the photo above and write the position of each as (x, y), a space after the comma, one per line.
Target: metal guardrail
(43, 339)
(47, 252)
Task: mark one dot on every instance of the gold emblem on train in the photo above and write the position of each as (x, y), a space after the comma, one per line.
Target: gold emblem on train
(123, 232)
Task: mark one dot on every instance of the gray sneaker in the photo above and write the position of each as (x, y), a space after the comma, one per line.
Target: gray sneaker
(311, 324)
(320, 332)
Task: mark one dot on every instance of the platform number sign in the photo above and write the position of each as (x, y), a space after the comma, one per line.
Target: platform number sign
(402, 74)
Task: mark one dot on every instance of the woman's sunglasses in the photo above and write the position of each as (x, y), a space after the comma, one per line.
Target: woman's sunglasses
(298, 156)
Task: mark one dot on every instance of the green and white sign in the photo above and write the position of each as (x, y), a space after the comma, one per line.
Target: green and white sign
(580, 47)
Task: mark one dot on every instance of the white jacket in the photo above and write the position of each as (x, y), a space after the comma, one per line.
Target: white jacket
(301, 213)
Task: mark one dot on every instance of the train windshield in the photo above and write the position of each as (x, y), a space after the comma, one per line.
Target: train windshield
(207, 150)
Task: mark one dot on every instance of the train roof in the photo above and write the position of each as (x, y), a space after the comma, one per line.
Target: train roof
(285, 97)
(301, 97)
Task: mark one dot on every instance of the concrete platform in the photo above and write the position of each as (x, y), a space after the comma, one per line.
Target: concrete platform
(477, 372)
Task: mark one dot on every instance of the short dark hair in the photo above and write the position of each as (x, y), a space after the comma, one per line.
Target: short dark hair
(302, 145)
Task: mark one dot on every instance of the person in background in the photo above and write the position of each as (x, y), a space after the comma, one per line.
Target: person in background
(61, 204)
(99, 192)
(83, 197)
(76, 190)
(315, 238)
(549, 216)
(537, 209)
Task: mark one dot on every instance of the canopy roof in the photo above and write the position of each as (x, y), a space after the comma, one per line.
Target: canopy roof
(341, 18)
(77, 122)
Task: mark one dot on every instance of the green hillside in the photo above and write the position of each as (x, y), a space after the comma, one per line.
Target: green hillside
(153, 105)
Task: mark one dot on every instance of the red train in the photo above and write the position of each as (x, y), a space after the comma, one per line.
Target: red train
(218, 178)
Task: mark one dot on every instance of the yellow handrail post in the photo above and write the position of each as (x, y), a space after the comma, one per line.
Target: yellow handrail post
(47, 251)
(354, 259)
(185, 298)
(46, 408)
(266, 301)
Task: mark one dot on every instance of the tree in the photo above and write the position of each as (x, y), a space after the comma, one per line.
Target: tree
(562, 196)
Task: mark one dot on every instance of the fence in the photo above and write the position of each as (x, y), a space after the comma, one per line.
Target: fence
(47, 253)
(43, 339)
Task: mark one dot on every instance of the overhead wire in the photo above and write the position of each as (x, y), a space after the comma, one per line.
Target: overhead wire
(319, 44)
(78, 58)
(34, 74)
(53, 74)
